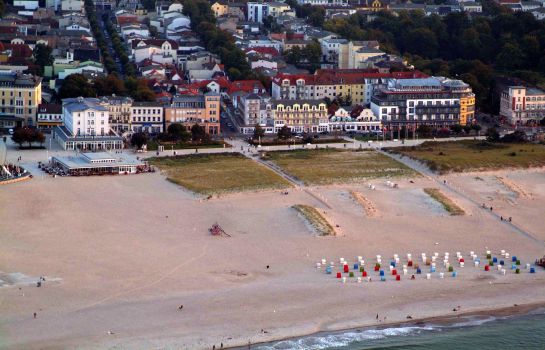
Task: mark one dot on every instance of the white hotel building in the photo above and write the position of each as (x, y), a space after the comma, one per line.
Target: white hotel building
(86, 126)
(521, 105)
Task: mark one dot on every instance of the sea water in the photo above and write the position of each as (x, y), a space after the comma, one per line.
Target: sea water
(473, 332)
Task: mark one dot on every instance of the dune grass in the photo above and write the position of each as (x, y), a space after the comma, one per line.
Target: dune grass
(446, 202)
(327, 166)
(470, 155)
(218, 173)
(315, 219)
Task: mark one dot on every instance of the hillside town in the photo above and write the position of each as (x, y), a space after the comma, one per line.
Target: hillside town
(281, 70)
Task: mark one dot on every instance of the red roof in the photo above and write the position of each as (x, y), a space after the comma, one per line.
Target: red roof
(124, 20)
(343, 76)
(248, 86)
(19, 50)
(264, 51)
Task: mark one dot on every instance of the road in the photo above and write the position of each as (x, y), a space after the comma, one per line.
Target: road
(108, 39)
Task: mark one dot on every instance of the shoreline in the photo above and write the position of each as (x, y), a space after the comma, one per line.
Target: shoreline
(517, 310)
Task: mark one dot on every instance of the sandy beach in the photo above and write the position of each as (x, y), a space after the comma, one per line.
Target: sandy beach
(120, 254)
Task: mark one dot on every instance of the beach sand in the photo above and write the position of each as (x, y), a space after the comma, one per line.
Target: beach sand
(127, 251)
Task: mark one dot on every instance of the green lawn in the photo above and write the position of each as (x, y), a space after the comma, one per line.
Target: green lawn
(446, 202)
(218, 173)
(326, 166)
(153, 144)
(469, 155)
(315, 219)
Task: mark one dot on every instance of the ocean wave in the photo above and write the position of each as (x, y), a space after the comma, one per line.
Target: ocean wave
(326, 341)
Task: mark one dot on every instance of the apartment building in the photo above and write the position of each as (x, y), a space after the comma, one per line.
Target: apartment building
(86, 126)
(147, 117)
(521, 105)
(300, 116)
(119, 108)
(49, 115)
(195, 109)
(20, 95)
(356, 85)
(434, 101)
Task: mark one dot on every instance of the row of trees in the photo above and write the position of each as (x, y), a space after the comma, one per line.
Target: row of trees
(119, 47)
(175, 133)
(107, 59)
(27, 135)
(76, 85)
(477, 49)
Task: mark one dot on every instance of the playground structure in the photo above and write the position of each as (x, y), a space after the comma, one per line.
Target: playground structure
(216, 230)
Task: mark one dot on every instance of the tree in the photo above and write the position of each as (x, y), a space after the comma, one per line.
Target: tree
(139, 139)
(109, 85)
(492, 135)
(20, 136)
(179, 132)
(76, 85)
(515, 137)
(424, 130)
(284, 133)
(457, 129)
(38, 136)
(258, 132)
(42, 57)
(198, 133)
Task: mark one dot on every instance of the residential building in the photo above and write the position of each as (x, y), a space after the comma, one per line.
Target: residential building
(257, 11)
(220, 8)
(300, 116)
(147, 117)
(72, 5)
(522, 105)
(354, 54)
(49, 115)
(356, 85)
(20, 95)
(360, 120)
(86, 126)
(434, 101)
(277, 9)
(156, 50)
(119, 112)
(203, 109)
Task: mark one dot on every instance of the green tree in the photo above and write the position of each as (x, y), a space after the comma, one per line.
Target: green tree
(457, 129)
(284, 133)
(38, 136)
(109, 85)
(198, 133)
(259, 132)
(492, 135)
(42, 55)
(76, 85)
(21, 135)
(179, 132)
(139, 139)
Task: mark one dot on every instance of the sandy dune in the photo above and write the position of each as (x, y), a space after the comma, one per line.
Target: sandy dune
(128, 251)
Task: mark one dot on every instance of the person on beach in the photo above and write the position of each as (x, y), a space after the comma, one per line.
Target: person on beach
(221, 346)
(214, 347)
(501, 218)
(377, 317)
(509, 219)
(180, 307)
